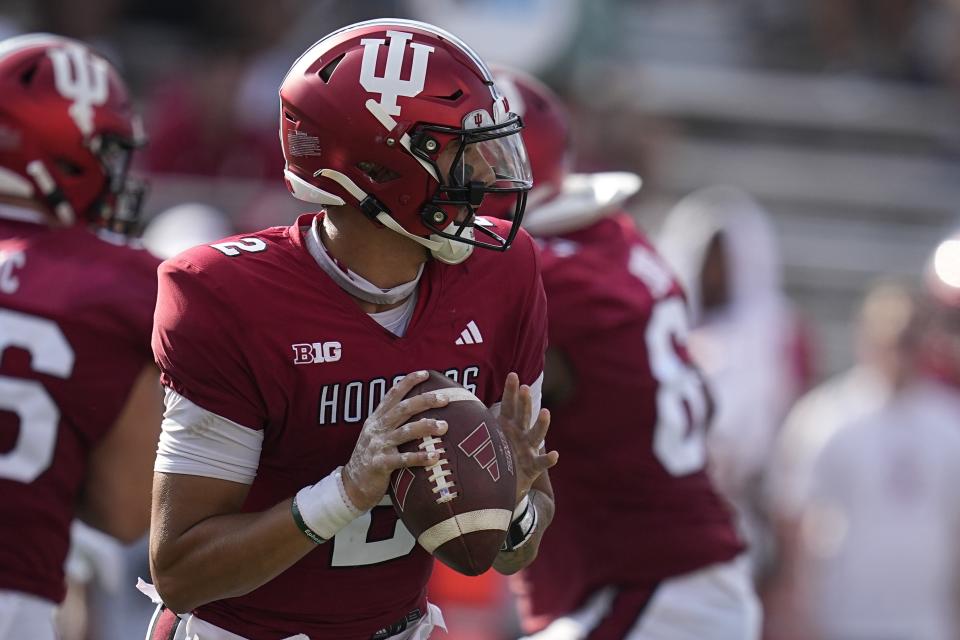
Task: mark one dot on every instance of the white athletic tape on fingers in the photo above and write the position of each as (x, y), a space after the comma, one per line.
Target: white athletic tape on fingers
(464, 523)
(457, 394)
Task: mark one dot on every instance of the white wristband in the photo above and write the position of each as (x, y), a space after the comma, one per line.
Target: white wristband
(325, 507)
(522, 526)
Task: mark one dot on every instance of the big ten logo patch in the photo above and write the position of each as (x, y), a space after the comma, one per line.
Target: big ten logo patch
(316, 352)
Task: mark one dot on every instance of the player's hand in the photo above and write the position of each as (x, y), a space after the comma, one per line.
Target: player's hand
(514, 415)
(375, 456)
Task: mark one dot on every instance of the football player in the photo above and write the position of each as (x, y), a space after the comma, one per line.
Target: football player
(641, 545)
(287, 353)
(80, 403)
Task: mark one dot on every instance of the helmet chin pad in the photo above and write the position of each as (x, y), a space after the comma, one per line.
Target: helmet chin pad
(451, 251)
(443, 249)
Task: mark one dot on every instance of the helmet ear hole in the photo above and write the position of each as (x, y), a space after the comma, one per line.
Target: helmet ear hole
(68, 168)
(376, 172)
(328, 70)
(26, 78)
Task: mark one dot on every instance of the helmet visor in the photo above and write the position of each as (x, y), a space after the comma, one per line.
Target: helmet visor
(480, 167)
(498, 163)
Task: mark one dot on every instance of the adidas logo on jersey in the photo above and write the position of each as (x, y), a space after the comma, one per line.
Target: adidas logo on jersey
(470, 335)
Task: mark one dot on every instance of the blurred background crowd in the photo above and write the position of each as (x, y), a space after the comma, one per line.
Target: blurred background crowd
(800, 165)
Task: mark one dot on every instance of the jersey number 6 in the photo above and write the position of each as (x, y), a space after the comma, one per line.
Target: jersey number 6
(39, 416)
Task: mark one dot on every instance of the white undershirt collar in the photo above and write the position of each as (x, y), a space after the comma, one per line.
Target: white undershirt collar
(397, 319)
(355, 284)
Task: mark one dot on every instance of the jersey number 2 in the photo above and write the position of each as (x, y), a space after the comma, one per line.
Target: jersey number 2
(39, 416)
(351, 549)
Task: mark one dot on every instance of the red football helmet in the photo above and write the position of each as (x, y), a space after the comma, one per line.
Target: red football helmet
(561, 201)
(67, 132)
(402, 120)
(546, 130)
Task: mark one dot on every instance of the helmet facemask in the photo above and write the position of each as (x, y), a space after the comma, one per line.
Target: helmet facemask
(476, 166)
(117, 208)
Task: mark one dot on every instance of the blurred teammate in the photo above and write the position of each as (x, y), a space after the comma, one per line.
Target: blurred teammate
(79, 399)
(287, 353)
(641, 545)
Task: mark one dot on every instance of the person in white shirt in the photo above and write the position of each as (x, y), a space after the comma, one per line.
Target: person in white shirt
(875, 503)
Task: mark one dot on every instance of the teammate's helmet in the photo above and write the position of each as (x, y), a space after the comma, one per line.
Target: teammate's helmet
(402, 120)
(546, 130)
(67, 132)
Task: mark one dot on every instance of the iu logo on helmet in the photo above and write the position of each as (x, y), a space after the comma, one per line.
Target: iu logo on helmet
(390, 85)
(83, 79)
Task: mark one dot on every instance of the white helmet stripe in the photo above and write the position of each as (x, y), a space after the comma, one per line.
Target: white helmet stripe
(305, 60)
(16, 43)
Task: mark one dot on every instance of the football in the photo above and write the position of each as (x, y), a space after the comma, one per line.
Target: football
(458, 509)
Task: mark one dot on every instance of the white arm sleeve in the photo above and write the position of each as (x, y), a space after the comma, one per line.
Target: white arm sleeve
(197, 442)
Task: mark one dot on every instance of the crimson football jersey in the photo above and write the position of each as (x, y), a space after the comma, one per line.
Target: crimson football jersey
(633, 502)
(254, 330)
(75, 317)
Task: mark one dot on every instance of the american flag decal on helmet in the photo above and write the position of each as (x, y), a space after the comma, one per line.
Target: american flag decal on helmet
(302, 144)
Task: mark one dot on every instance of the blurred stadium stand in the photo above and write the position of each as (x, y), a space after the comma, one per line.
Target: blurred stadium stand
(844, 127)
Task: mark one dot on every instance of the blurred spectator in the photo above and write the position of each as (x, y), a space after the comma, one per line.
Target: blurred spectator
(92, 20)
(747, 338)
(195, 126)
(883, 323)
(913, 40)
(876, 550)
(881, 326)
(865, 35)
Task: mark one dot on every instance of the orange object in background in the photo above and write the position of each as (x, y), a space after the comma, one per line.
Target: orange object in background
(475, 608)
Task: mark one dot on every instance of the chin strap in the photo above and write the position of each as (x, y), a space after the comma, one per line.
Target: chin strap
(443, 249)
(53, 195)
